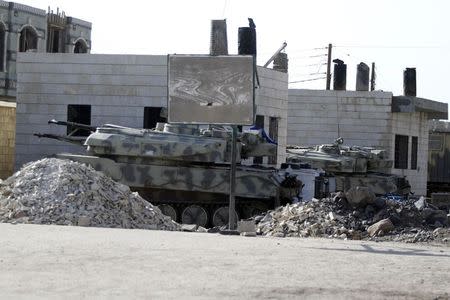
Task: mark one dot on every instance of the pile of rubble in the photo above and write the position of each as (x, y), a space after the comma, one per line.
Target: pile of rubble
(358, 214)
(63, 192)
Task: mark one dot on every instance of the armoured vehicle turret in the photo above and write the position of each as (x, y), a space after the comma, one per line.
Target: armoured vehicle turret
(185, 170)
(352, 166)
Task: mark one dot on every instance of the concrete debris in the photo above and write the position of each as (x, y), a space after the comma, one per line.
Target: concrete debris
(63, 192)
(189, 227)
(380, 228)
(360, 196)
(379, 219)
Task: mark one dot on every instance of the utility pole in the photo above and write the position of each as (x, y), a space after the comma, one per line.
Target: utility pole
(330, 46)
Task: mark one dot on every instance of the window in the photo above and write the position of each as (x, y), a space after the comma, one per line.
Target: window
(401, 152)
(28, 40)
(273, 134)
(80, 47)
(414, 148)
(78, 114)
(435, 142)
(54, 40)
(153, 115)
(259, 122)
(2, 47)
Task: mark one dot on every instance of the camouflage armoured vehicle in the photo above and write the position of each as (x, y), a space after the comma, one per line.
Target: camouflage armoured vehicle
(185, 170)
(352, 166)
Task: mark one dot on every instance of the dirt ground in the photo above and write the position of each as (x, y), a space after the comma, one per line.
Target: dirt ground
(42, 261)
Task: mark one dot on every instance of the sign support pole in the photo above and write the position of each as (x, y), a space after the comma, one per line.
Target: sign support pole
(232, 204)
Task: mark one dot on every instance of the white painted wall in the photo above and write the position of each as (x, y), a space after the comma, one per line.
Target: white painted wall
(117, 86)
(413, 124)
(361, 118)
(272, 101)
(320, 116)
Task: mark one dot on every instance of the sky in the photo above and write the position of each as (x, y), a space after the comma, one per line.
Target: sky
(393, 34)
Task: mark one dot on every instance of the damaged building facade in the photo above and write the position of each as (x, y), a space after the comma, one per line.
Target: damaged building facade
(28, 29)
(399, 124)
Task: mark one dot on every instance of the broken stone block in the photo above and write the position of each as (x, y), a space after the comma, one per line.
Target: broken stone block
(189, 227)
(360, 196)
(380, 228)
(421, 203)
(248, 233)
(246, 226)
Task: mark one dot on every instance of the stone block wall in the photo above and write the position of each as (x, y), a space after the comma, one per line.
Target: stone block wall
(7, 138)
(413, 124)
(272, 101)
(361, 118)
(117, 87)
(320, 116)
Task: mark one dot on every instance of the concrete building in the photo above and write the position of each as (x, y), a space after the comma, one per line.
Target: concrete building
(128, 90)
(28, 29)
(397, 123)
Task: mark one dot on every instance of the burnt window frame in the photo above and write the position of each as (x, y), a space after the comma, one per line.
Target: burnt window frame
(156, 117)
(414, 151)
(401, 144)
(79, 113)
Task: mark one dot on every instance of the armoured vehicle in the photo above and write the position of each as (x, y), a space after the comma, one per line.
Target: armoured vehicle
(352, 166)
(186, 170)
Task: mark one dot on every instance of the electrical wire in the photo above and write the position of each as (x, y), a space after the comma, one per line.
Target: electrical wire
(305, 80)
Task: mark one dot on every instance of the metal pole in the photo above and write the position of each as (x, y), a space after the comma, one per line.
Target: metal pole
(231, 212)
(330, 46)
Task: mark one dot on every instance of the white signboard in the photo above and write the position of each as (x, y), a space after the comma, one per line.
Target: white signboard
(205, 89)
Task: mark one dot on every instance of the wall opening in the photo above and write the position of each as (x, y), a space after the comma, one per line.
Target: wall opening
(401, 152)
(153, 115)
(259, 123)
(2, 47)
(414, 150)
(54, 40)
(273, 134)
(28, 39)
(80, 47)
(78, 114)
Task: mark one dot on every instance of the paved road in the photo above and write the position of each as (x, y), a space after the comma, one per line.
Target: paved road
(74, 262)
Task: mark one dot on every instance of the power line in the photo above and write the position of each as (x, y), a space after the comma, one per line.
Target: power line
(312, 79)
(391, 47)
(309, 74)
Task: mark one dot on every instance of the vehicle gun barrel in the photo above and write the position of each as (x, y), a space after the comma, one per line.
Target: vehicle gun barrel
(73, 124)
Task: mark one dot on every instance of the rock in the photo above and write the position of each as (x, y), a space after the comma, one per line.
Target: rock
(421, 203)
(246, 226)
(343, 236)
(189, 227)
(248, 233)
(380, 203)
(380, 228)
(431, 216)
(202, 229)
(360, 196)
